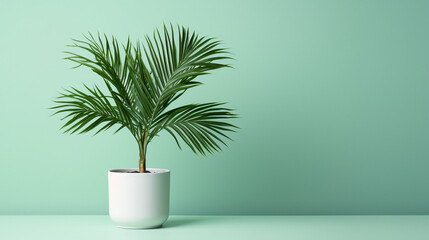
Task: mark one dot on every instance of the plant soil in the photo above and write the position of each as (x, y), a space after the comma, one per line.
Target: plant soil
(138, 172)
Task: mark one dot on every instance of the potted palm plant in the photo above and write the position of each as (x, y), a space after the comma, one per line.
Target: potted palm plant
(140, 82)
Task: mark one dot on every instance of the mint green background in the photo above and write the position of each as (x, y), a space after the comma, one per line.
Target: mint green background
(333, 98)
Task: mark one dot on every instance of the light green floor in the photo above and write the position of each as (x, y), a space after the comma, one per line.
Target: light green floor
(220, 227)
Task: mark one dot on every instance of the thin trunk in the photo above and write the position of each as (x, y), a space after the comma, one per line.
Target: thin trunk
(142, 153)
(142, 161)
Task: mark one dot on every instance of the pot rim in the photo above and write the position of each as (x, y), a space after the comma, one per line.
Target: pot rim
(128, 171)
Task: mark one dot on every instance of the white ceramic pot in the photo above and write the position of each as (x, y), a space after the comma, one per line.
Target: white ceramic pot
(139, 200)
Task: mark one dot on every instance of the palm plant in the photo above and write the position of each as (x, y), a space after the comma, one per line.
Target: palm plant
(141, 81)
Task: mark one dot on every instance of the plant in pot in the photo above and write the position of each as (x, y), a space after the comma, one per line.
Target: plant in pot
(140, 82)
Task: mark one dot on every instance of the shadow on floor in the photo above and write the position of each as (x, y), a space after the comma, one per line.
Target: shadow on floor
(188, 220)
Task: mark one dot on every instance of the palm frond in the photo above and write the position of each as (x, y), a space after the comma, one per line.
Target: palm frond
(199, 125)
(86, 111)
(174, 65)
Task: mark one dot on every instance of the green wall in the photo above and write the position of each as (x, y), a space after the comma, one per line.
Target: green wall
(333, 98)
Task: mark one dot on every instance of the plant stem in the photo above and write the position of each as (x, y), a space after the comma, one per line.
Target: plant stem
(142, 152)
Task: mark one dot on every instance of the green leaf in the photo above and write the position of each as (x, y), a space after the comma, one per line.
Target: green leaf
(198, 125)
